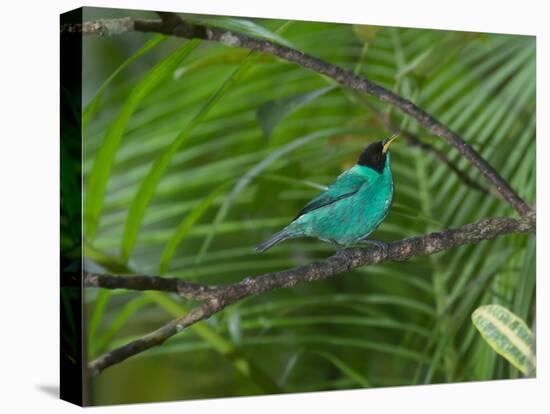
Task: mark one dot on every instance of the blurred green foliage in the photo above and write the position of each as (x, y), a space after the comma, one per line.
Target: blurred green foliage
(232, 181)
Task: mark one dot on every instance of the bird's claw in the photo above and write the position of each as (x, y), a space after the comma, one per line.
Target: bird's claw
(342, 252)
(380, 244)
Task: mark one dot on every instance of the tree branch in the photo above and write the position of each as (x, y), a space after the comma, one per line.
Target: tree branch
(172, 24)
(414, 141)
(217, 297)
(187, 290)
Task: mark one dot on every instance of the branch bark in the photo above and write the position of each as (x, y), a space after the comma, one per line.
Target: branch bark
(217, 297)
(187, 290)
(415, 141)
(171, 24)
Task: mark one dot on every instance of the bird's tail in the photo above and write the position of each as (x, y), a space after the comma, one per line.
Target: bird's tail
(273, 240)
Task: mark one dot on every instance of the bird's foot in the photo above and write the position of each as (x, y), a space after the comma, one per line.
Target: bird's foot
(342, 251)
(380, 244)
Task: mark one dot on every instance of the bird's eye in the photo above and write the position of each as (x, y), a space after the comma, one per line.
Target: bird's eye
(376, 157)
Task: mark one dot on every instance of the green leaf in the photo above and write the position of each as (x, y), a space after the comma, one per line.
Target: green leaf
(230, 57)
(218, 342)
(346, 369)
(508, 335)
(117, 323)
(273, 112)
(406, 211)
(97, 313)
(104, 159)
(113, 264)
(281, 341)
(92, 105)
(361, 321)
(293, 181)
(411, 67)
(366, 33)
(337, 299)
(247, 27)
(186, 225)
(148, 186)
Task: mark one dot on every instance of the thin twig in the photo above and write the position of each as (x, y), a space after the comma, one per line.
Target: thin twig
(188, 290)
(415, 141)
(172, 24)
(217, 297)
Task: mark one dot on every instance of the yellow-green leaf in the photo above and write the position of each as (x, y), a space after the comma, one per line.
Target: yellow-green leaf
(508, 335)
(366, 33)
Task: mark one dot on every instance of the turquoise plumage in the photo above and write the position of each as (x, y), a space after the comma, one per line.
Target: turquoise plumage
(352, 207)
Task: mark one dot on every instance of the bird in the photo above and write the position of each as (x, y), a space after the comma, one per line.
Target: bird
(351, 208)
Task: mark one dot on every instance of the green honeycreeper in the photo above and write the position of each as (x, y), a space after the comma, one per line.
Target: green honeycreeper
(351, 208)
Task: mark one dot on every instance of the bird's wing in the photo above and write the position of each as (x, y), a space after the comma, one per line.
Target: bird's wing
(345, 186)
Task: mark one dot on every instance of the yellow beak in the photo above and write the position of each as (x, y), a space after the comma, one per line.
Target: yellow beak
(387, 142)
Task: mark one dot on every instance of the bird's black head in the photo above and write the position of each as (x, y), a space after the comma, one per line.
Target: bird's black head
(375, 155)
